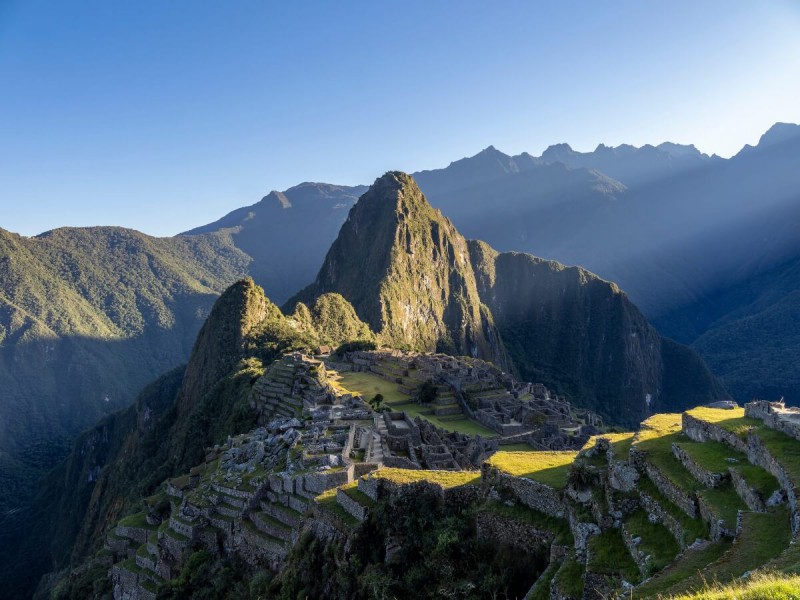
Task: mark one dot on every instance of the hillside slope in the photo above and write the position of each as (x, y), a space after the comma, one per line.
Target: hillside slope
(405, 269)
(420, 285)
(87, 317)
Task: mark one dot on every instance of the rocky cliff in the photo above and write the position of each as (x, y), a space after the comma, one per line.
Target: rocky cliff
(581, 335)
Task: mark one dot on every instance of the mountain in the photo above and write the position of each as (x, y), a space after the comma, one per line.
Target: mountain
(582, 336)
(165, 432)
(420, 285)
(87, 318)
(406, 271)
(287, 233)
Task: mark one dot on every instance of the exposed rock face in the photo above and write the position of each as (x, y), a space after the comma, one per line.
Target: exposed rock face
(407, 273)
(582, 336)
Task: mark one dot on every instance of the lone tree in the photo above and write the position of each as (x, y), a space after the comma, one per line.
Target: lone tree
(426, 393)
(376, 401)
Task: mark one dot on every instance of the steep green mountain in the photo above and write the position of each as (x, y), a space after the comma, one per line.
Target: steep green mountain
(406, 271)
(119, 461)
(87, 318)
(582, 336)
(420, 285)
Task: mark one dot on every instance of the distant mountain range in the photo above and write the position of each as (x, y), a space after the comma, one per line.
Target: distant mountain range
(706, 247)
(400, 267)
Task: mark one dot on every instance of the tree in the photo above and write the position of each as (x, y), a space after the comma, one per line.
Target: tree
(426, 393)
(376, 402)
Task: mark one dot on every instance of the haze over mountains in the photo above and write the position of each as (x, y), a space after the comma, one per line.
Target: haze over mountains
(706, 247)
(401, 267)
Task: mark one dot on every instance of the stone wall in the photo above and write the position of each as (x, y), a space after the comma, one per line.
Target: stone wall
(641, 559)
(657, 511)
(370, 486)
(674, 494)
(759, 455)
(319, 482)
(717, 528)
(702, 475)
(351, 506)
(701, 431)
(511, 532)
(768, 412)
(532, 494)
(746, 493)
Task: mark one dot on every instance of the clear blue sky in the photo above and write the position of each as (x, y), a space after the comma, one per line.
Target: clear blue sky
(164, 115)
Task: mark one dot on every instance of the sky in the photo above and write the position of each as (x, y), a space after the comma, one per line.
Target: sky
(162, 116)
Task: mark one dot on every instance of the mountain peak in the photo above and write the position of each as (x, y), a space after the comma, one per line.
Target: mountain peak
(279, 197)
(406, 271)
(779, 133)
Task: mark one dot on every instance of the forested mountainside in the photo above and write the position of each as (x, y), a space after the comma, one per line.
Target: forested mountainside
(165, 431)
(252, 483)
(393, 250)
(674, 228)
(87, 318)
(420, 285)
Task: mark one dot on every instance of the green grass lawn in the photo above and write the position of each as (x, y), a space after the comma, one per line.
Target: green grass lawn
(724, 502)
(550, 468)
(367, 385)
(764, 536)
(690, 564)
(608, 555)
(446, 479)
(655, 438)
(517, 448)
(763, 586)
(657, 540)
(713, 456)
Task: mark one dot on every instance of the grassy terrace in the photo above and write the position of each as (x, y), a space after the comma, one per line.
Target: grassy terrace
(784, 448)
(761, 586)
(569, 578)
(725, 503)
(712, 456)
(368, 384)
(137, 520)
(732, 420)
(358, 496)
(327, 501)
(657, 541)
(608, 555)
(692, 563)
(523, 514)
(655, 438)
(764, 536)
(549, 468)
(620, 443)
(445, 479)
(694, 528)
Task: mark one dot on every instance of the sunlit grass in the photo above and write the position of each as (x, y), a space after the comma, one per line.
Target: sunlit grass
(550, 468)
